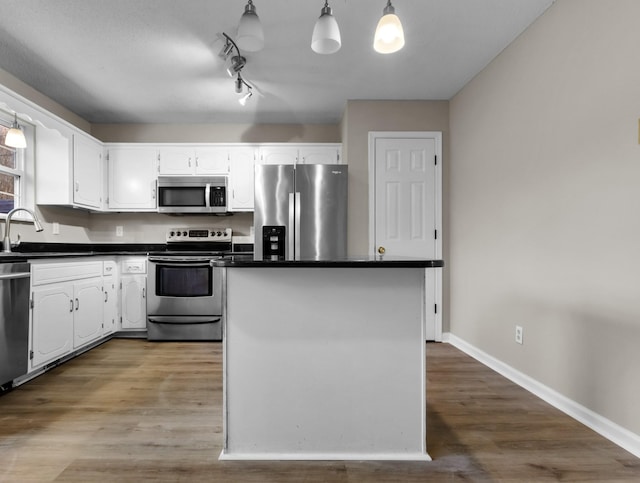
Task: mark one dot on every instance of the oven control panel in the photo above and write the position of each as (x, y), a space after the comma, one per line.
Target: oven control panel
(209, 234)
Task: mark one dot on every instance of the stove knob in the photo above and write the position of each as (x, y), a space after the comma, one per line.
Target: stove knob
(184, 233)
(171, 233)
(219, 233)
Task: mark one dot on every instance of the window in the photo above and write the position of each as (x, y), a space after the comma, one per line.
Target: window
(11, 172)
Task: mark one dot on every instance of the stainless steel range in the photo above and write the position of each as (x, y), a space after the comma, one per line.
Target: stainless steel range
(185, 289)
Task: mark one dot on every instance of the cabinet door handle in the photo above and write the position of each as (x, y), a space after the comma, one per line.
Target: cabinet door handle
(144, 293)
(106, 296)
(77, 304)
(189, 162)
(71, 305)
(77, 186)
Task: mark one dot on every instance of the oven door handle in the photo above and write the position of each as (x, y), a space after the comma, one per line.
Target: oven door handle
(172, 262)
(184, 320)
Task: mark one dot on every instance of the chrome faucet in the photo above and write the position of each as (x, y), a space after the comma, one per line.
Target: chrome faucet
(6, 244)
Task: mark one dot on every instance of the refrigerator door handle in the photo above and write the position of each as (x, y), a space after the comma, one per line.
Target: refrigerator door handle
(297, 227)
(290, 233)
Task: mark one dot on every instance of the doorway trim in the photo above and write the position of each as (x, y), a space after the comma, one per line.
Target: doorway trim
(437, 137)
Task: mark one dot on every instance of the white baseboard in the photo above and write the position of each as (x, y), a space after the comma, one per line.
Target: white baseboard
(226, 456)
(605, 427)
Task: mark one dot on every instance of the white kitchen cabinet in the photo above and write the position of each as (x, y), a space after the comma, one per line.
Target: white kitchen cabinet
(68, 169)
(88, 311)
(51, 323)
(67, 310)
(193, 160)
(132, 177)
(282, 154)
(320, 154)
(87, 171)
(110, 286)
(241, 178)
(133, 288)
(295, 153)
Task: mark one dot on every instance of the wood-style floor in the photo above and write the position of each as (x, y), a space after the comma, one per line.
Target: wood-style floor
(131, 410)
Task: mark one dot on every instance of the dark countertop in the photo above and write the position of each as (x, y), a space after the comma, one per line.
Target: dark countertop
(244, 261)
(31, 251)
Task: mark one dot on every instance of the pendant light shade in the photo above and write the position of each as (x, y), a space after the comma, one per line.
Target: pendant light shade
(250, 33)
(15, 136)
(326, 33)
(389, 37)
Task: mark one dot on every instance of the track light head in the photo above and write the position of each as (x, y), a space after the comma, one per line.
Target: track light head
(226, 50)
(236, 64)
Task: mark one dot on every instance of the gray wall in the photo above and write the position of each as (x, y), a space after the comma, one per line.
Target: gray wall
(545, 206)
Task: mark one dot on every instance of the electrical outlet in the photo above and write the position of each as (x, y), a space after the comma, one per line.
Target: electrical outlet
(519, 334)
(55, 228)
(119, 231)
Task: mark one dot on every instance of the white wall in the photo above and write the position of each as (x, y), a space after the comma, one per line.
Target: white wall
(545, 206)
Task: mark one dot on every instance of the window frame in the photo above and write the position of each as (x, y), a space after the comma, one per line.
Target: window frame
(25, 168)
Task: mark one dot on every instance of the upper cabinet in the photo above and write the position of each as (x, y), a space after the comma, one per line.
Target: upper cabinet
(87, 172)
(320, 154)
(76, 170)
(193, 159)
(133, 175)
(69, 169)
(301, 154)
(240, 187)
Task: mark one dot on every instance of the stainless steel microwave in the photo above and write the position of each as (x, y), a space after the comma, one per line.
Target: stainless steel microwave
(192, 194)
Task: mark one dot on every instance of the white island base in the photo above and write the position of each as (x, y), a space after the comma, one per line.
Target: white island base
(324, 363)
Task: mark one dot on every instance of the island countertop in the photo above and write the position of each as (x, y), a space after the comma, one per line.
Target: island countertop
(241, 261)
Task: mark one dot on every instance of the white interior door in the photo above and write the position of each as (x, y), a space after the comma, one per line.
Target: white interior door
(406, 207)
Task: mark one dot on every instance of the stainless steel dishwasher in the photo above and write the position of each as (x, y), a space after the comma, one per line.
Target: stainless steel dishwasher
(14, 320)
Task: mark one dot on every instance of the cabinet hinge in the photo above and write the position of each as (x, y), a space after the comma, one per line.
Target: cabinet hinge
(435, 308)
(435, 159)
(30, 355)
(435, 234)
(31, 301)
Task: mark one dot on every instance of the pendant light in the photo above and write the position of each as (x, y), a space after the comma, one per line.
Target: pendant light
(250, 34)
(15, 136)
(389, 37)
(326, 34)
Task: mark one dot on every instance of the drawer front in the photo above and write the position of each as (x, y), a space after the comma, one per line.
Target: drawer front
(64, 271)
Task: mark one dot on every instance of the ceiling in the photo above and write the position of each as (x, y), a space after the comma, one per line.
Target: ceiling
(156, 61)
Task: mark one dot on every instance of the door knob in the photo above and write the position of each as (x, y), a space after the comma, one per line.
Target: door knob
(381, 250)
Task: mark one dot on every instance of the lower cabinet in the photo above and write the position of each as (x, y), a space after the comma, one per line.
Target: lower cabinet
(133, 295)
(67, 308)
(134, 302)
(87, 313)
(52, 323)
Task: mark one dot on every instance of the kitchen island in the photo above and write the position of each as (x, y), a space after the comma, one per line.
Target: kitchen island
(325, 360)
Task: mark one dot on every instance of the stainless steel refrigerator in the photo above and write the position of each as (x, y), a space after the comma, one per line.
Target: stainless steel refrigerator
(300, 212)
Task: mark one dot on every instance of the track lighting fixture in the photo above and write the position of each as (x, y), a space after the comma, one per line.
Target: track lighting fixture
(15, 136)
(236, 64)
(250, 34)
(326, 33)
(389, 37)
